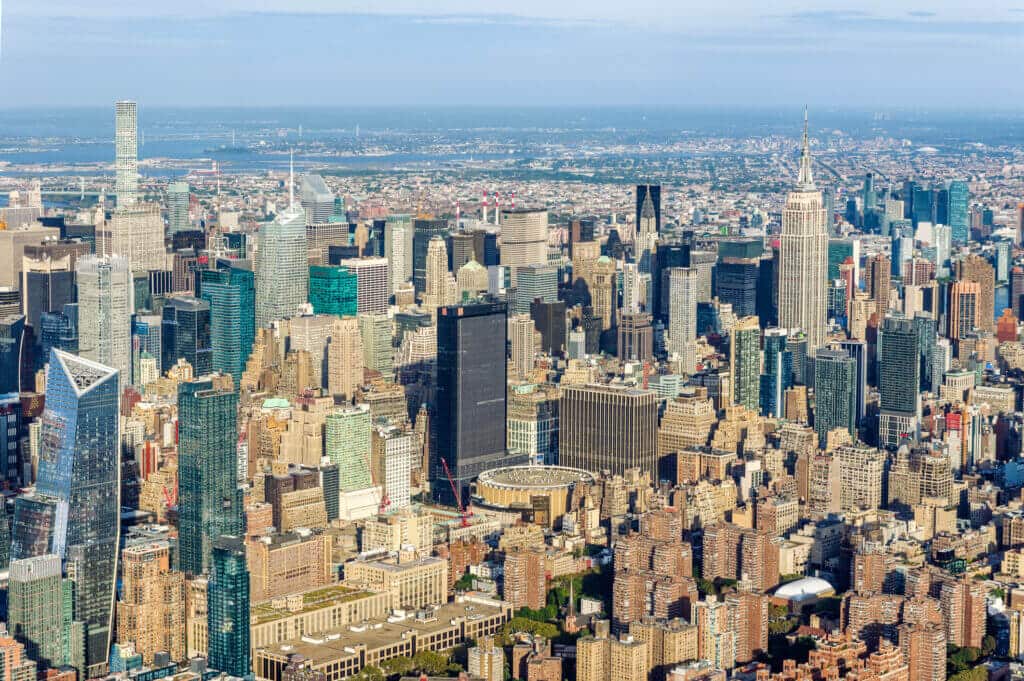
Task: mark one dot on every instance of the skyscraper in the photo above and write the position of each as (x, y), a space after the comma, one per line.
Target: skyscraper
(682, 309)
(137, 233)
(608, 427)
(282, 267)
(980, 271)
(745, 362)
(231, 293)
(398, 247)
(371, 283)
(126, 152)
(858, 350)
(12, 337)
(332, 290)
(74, 512)
(803, 260)
(105, 303)
(35, 613)
(777, 373)
(533, 282)
(958, 197)
(648, 194)
(316, 199)
(185, 334)
(835, 393)
(423, 231)
(524, 238)
(227, 599)
(210, 500)
(470, 402)
(899, 380)
(177, 207)
(347, 444)
(736, 283)
(47, 286)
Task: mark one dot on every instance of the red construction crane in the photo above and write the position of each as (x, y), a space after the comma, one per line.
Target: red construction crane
(458, 497)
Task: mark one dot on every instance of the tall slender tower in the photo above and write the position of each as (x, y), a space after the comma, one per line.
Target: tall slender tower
(282, 264)
(803, 257)
(127, 152)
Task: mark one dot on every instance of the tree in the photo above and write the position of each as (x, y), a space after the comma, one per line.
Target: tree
(431, 663)
(530, 626)
(464, 583)
(398, 666)
(369, 673)
(988, 645)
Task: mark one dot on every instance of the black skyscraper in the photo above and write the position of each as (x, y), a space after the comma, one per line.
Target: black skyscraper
(641, 194)
(423, 232)
(470, 403)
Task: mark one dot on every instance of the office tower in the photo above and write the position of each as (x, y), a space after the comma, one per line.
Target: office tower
(635, 337)
(549, 318)
(927, 335)
(745, 362)
(282, 267)
(835, 393)
(74, 512)
(777, 373)
(12, 338)
(521, 332)
(667, 257)
(105, 301)
(524, 238)
(877, 277)
(35, 611)
(345, 358)
(151, 612)
(347, 445)
(470, 399)
(634, 290)
(533, 282)
(392, 465)
(375, 330)
(231, 293)
(423, 231)
(803, 260)
(210, 501)
(47, 286)
(316, 199)
(977, 269)
(682, 309)
(899, 380)
(923, 206)
(15, 465)
(603, 294)
(858, 351)
(460, 250)
(126, 160)
(958, 198)
(398, 248)
(533, 422)
(1004, 259)
(185, 334)
(964, 308)
(648, 195)
(796, 343)
(736, 281)
(440, 286)
(177, 207)
(471, 281)
(371, 283)
(606, 427)
(311, 334)
(228, 608)
(135, 232)
(333, 290)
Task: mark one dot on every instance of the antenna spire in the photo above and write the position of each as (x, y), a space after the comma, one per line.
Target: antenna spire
(291, 178)
(805, 181)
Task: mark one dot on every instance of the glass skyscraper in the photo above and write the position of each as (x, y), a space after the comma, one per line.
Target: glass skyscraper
(185, 333)
(227, 602)
(282, 267)
(231, 293)
(470, 405)
(210, 498)
(958, 196)
(777, 373)
(12, 338)
(835, 375)
(423, 232)
(347, 443)
(899, 379)
(74, 512)
(333, 290)
(745, 362)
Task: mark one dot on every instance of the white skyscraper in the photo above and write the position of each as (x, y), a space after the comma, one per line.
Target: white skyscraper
(105, 306)
(682, 308)
(135, 232)
(521, 334)
(395, 252)
(127, 153)
(282, 264)
(177, 207)
(803, 257)
(371, 283)
(524, 238)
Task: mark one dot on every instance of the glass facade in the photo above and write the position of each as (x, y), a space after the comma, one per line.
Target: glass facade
(347, 443)
(12, 336)
(423, 232)
(227, 602)
(958, 197)
(185, 333)
(899, 367)
(834, 377)
(736, 284)
(333, 290)
(778, 373)
(282, 267)
(210, 500)
(74, 513)
(231, 293)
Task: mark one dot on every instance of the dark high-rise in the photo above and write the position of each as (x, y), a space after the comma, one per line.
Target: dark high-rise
(835, 393)
(736, 283)
(423, 231)
(899, 379)
(470, 402)
(12, 336)
(858, 351)
(46, 289)
(227, 607)
(608, 428)
(210, 499)
(642, 190)
(231, 294)
(185, 333)
(549, 318)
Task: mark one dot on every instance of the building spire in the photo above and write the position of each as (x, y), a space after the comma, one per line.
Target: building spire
(805, 181)
(291, 178)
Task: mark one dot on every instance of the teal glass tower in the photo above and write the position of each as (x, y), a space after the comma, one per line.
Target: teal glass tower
(777, 373)
(835, 376)
(231, 292)
(332, 290)
(210, 498)
(958, 195)
(227, 602)
(74, 512)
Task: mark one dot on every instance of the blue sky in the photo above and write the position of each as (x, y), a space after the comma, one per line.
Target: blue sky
(866, 54)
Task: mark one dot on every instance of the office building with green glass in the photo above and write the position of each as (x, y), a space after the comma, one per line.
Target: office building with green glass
(958, 198)
(227, 603)
(35, 612)
(210, 500)
(347, 443)
(745, 363)
(333, 290)
(231, 292)
(835, 393)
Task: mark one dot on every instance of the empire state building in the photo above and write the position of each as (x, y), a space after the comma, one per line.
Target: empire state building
(803, 257)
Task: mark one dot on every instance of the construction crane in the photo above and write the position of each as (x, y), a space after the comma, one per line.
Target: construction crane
(463, 512)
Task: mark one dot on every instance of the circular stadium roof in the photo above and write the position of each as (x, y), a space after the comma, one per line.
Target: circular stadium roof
(534, 477)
